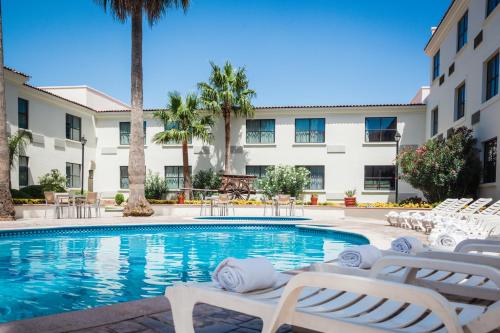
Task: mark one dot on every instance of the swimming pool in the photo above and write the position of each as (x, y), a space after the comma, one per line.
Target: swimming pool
(56, 270)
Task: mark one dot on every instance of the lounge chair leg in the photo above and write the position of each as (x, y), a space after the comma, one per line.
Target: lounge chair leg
(182, 307)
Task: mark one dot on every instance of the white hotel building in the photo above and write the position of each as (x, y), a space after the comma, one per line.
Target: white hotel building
(345, 147)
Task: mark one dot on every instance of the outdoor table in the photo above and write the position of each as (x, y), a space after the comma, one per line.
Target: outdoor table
(277, 206)
(72, 201)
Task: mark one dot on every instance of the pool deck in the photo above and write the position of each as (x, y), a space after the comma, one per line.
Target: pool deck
(153, 315)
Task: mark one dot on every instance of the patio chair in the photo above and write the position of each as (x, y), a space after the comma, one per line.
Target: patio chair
(298, 203)
(223, 204)
(50, 203)
(92, 201)
(333, 302)
(283, 200)
(63, 200)
(394, 217)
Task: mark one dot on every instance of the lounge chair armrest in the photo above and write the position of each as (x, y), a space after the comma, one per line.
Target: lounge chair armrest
(360, 285)
(335, 268)
(479, 245)
(463, 257)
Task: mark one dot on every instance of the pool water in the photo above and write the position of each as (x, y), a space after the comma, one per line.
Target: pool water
(52, 271)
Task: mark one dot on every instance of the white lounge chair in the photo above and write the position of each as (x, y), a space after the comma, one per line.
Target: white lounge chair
(329, 302)
(425, 222)
(394, 216)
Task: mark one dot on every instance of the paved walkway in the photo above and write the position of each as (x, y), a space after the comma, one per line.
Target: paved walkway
(153, 315)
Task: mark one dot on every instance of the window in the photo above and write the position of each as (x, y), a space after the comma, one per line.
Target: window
(260, 130)
(22, 113)
(73, 127)
(434, 121)
(462, 31)
(460, 101)
(310, 130)
(435, 66)
(125, 133)
(174, 176)
(451, 69)
(490, 161)
(380, 177)
(124, 177)
(174, 125)
(73, 175)
(478, 39)
(380, 129)
(23, 171)
(490, 6)
(258, 171)
(492, 77)
(317, 177)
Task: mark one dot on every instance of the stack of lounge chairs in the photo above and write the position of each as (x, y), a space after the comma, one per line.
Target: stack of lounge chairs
(452, 221)
(418, 292)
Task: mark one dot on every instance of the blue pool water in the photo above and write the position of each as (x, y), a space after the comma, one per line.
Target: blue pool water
(50, 271)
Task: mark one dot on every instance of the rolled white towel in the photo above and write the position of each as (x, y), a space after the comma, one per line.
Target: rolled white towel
(360, 256)
(449, 241)
(408, 245)
(244, 275)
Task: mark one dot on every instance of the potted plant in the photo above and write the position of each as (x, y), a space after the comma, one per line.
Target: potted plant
(180, 198)
(350, 198)
(314, 199)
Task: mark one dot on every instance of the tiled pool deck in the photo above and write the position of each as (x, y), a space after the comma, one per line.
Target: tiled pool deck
(153, 314)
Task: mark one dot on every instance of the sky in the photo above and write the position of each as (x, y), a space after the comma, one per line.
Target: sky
(308, 52)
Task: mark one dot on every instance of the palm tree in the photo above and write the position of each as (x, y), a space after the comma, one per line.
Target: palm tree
(135, 9)
(7, 210)
(226, 93)
(17, 144)
(183, 121)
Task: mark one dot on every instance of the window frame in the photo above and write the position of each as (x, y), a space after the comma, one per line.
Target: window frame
(70, 122)
(262, 170)
(491, 5)
(309, 130)
(21, 101)
(460, 101)
(180, 175)
(436, 63)
(23, 170)
(489, 167)
(377, 180)
(124, 133)
(380, 129)
(123, 171)
(309, 167)
(260, 131)
(492, 76)
(435, 121)
(462, 30)
(70, 178)
(174, 125)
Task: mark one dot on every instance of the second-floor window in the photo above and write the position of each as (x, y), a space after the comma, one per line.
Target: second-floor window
(23, 171)
(124, 177)
(490, 6)
(260, 130)
(460, 101)
(73, 127)
(492, 77)
(73, 175)
(435, 65)
(380, 129)
(490, 161)
(462, 31)
(380, 177)
(22, 113)
(174, 125)
(310, 130)
(434, 121)
(174, 175)
(258, 171)
(125, 132)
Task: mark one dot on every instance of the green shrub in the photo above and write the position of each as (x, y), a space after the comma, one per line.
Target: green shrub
(443, 168)
(206, 179)
(119, 198)
(412, 200)
(155, 186)
(17, 194)
(284, 179)
(34, 191)
(53, 181)
(28, 201)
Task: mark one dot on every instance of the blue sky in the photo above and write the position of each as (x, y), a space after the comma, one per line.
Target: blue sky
(312, 52)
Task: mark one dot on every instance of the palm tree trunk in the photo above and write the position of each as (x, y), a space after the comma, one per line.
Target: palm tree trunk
(137, 204)
(185, 169)
(227, 152)
(7, 210)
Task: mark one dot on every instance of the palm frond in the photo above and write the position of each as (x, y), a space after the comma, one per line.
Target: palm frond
(17, 144)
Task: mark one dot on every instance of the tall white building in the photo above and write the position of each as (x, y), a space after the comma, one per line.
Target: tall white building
(464, 72)
(345, 147)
